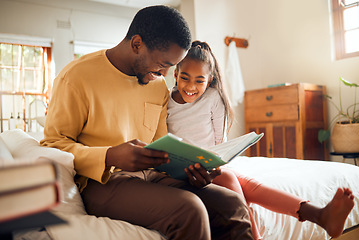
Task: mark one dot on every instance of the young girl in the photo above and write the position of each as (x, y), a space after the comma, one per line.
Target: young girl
(199, 111)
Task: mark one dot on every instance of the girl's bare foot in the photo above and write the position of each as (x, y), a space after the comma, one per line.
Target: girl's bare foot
(333, 215)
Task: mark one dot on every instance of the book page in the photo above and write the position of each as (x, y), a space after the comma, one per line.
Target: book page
(232, 148)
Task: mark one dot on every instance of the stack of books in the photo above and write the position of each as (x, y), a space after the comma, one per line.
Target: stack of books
(27, 191)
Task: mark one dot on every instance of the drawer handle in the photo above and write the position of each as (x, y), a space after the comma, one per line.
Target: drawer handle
(270, 97)
(269, 114)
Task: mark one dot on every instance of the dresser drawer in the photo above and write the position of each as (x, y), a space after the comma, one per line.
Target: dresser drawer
(272, 113)
(270, 97)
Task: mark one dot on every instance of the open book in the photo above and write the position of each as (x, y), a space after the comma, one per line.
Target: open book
(182, 154)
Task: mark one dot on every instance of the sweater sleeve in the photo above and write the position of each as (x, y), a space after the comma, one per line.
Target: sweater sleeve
(67, 115)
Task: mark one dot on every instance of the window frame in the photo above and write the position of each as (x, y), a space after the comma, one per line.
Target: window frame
(45, 94)
(339, 31)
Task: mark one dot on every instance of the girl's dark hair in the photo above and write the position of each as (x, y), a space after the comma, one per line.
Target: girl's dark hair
(200, 51)
(159, 26)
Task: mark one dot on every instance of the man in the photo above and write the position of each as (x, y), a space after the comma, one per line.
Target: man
(106, 106)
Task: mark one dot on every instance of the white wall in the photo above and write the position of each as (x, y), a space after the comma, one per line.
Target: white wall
(214, 20)
(188, 11)
(90, 22)
(289, 41)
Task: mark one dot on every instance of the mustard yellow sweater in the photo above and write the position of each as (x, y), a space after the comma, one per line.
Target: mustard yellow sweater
(95, 106)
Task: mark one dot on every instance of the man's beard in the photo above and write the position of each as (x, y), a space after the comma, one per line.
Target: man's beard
(138, 64)
(140, 79)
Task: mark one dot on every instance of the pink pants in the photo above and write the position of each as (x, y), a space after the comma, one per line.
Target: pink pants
(255, 192)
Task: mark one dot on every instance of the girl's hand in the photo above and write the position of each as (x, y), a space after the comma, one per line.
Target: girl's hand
(132, 156)
(199, 177)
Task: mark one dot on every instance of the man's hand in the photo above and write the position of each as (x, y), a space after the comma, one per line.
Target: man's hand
(199, 177)
(132, 156)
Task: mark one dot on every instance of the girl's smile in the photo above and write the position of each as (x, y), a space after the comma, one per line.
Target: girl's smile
(189, 94)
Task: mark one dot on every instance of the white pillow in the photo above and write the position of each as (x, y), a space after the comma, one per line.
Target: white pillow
(41, 120)
(25, 148)
(5, 155)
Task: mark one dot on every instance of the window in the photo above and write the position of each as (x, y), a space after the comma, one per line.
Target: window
(24, 85)
(346, 28)
(81, 47)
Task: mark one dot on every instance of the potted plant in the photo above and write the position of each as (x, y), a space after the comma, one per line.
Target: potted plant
(345, 132)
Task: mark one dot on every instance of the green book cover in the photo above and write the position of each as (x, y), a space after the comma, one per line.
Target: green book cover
(182, 154)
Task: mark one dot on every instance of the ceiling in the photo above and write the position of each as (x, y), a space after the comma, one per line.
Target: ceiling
(140, 3)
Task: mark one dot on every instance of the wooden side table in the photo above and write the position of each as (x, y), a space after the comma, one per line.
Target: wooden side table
(355, 156)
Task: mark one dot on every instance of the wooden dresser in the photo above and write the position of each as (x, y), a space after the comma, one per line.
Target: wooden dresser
(290, 118)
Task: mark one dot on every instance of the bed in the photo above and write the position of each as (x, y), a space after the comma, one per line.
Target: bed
(316, 181)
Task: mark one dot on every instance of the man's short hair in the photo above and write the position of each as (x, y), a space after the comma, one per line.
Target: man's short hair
(159, 26)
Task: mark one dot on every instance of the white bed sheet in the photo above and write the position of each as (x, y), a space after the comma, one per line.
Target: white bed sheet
(316, 181)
